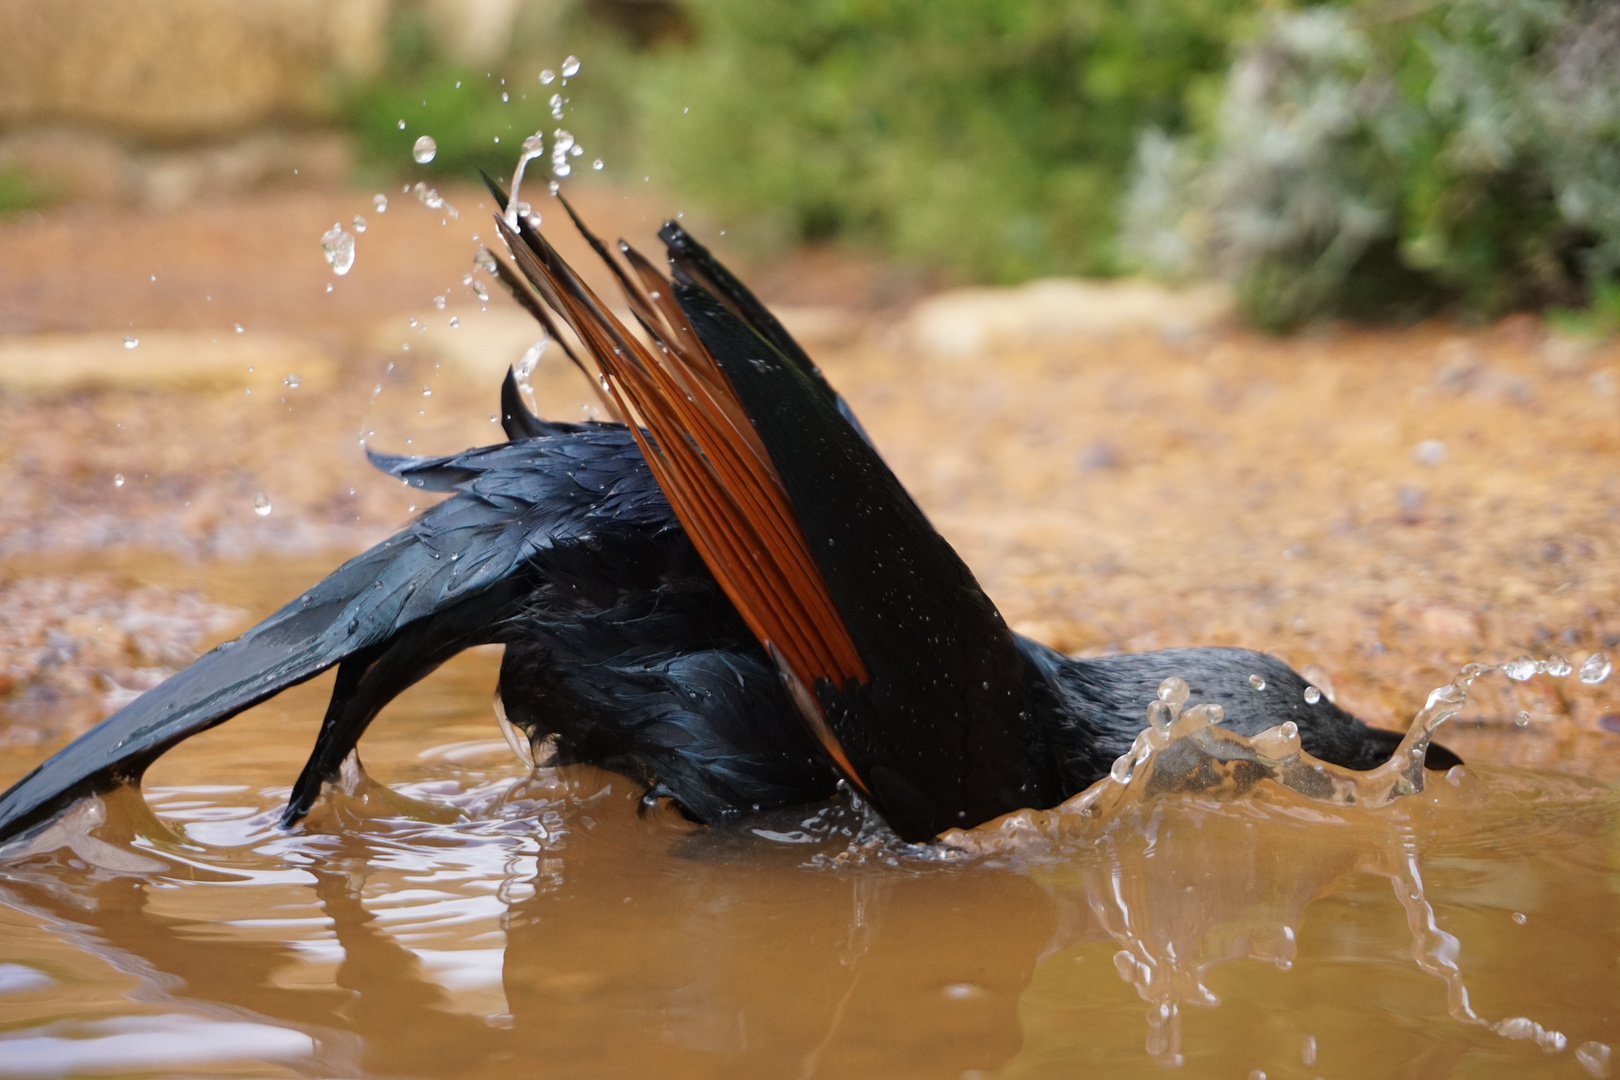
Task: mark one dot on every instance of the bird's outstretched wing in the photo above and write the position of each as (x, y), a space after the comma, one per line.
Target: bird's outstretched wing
(899, 663)
(447, 581)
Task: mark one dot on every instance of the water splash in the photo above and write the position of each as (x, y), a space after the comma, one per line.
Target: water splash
(1596, 669)
(261, 504)
(570, 67)
(424, 150)
(516, 208)
(337, 244)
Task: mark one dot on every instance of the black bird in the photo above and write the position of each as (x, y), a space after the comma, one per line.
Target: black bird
(726, 596)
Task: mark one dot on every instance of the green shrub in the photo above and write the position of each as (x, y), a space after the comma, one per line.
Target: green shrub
(1467, 152)
(987, 137)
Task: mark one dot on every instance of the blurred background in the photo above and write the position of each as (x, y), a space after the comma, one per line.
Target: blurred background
(1382, 160)
(1187, 321)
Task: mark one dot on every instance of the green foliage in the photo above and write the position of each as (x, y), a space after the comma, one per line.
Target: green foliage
(1466, 152)
(989, 137)
(18, 191)
(462, 109)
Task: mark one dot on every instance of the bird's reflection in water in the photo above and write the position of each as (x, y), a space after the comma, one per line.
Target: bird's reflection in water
(635, 945)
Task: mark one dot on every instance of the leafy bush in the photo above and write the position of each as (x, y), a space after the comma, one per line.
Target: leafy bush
(1466, 152)
(988, 137)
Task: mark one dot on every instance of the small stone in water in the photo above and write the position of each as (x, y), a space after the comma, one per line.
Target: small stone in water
(597, 164)
(358, 224)
(1521, 668)
(1596, 669)
(570, 67)
(547, 77)
(1430, 452)
(261, 504)
(131, 342)
(118, 479)
(292, 382)
(338, 247)
(380, 201)
(424, 149)
(1257, 681)
(1312, 695)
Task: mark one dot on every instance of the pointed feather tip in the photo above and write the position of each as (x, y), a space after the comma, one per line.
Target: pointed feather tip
(495, 189)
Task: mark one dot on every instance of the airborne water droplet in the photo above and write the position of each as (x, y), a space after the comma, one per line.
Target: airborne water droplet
(118, 479)
(1312, 695)
(438, 302)
(238, 328)
(424, 149)
(402, 125)
(338, 247)
(1257, 681)
(1522, 719)
(570, 67)
(597, 164)
(1521, 668)
(547, 77)
(1596, 669)
(131, 342)
(1174, 691)
(454, 322)
(380, 201)
(358, 224)
(427, 391)
(292, 382)
(1559, 667)
(261, 504)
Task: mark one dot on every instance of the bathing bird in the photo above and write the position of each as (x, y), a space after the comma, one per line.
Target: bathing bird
(723, 594)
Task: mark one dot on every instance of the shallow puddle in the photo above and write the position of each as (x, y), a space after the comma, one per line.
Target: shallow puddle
(453, 916)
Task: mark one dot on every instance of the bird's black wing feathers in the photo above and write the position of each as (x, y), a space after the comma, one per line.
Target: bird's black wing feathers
(510, 503)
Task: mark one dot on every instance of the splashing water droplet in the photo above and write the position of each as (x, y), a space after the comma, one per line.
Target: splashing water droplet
(547, 77)
(424, 149)
(570, 67)
(130, 342)
(380, 201)
(427, 391)
(1594, 1058)
(480, 291)
(1257, 681)
(1596, 669)
(1521, 668)
(1558, 666)
(238, 328)
(1174, 691)
(485, 261)
(1522, 719)
(1307, 1050)
(505, 97)
(338, 247)
(358, 224)
(1312, 695)
(438, 302)
(118, 479)
(525, 366)
(261, 504)
(402, 125)
(454, 322)
(292, 382)
(597, 164)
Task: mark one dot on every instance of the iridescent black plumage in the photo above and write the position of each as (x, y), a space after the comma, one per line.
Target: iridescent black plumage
(623, 644)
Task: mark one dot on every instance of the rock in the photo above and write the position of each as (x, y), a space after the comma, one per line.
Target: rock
(174, 70)
(968, 322)
(161, 360)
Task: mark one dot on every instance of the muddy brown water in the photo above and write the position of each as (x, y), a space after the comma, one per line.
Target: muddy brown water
(447, 915)
(450, 916)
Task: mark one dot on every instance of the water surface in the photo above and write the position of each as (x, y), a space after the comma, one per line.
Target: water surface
(449, 915)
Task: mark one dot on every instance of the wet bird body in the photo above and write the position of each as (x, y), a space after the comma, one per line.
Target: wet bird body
(736, 608)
